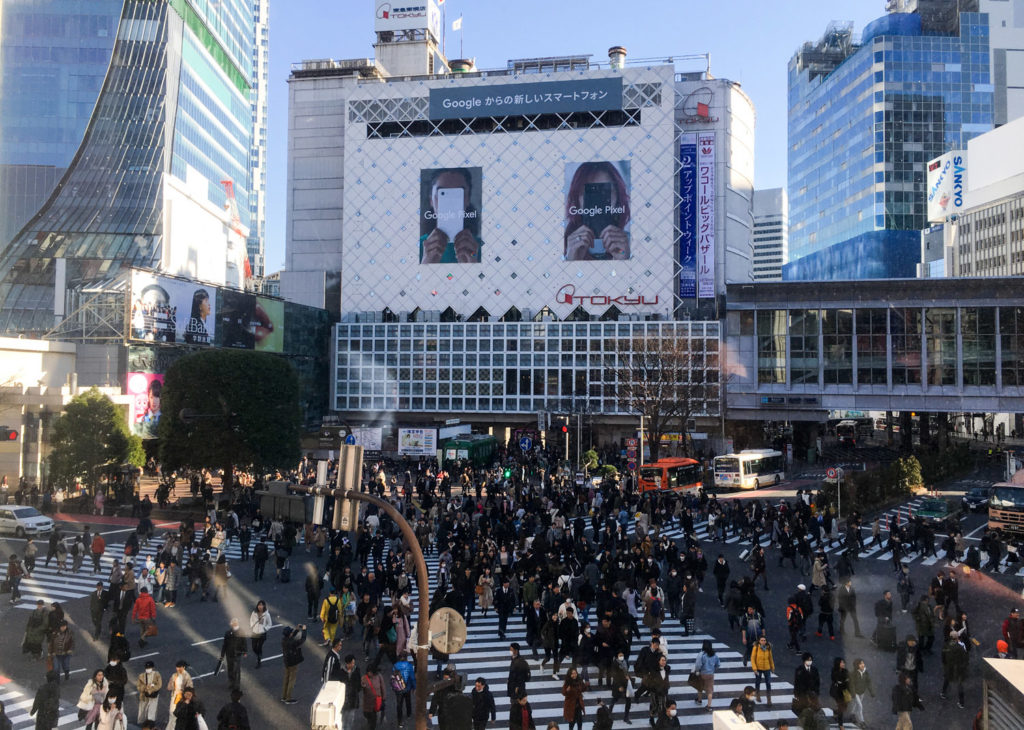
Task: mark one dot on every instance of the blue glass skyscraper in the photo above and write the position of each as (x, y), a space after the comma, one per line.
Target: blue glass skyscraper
(864, 119)
(100, 102)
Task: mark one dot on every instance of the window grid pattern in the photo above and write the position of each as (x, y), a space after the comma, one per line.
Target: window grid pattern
(503, 367)
(1011, 334)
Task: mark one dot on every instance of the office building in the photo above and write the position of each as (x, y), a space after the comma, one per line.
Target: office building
(865, 118)
(138, 113)
(256, 242)
(771, 234)
(594, 201)
(976, 200)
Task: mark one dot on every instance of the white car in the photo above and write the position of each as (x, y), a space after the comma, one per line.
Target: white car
(24, 521)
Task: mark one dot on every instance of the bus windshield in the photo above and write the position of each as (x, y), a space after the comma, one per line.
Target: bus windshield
(1008, 498)
(724, 464)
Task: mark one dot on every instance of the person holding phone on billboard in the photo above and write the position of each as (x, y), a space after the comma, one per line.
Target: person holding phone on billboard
(597, 214)
(451, 225)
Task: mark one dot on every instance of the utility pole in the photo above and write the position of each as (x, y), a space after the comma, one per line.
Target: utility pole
(346, 512)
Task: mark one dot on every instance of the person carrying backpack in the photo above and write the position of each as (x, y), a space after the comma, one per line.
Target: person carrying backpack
(330, 615)
(403, 683)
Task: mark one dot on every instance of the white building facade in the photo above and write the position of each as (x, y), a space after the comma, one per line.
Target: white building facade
(771, 234)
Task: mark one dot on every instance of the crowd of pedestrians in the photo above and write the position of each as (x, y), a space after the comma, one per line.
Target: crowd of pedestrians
(587, 569)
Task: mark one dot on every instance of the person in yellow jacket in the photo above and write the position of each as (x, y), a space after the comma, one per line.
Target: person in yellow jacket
(331, 615)
(763, 663)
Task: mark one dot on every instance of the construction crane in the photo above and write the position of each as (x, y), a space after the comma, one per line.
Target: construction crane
(236, 221)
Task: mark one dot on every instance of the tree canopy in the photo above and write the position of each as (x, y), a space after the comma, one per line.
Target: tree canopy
(663, 380)
(230, 408)
(91, 434)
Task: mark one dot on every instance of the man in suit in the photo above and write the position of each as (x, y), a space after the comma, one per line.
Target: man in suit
(504, 603)
(123, 601)
(536, 617)
(97, 606)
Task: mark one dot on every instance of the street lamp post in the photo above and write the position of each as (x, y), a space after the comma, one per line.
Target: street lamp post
(422, 628)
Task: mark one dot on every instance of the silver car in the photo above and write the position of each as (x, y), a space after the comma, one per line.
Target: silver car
(24, 521)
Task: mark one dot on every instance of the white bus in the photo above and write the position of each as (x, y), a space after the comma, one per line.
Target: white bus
(749, 469)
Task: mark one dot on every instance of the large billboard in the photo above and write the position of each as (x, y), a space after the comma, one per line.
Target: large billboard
(417, 441)
(171, 310)
(565, 210)
(947, 183)
(165, 310)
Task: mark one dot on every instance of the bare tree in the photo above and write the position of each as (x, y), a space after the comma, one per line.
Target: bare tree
(664, 380)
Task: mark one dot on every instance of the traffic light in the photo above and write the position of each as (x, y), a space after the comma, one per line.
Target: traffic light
(8, 434)
(565, 429)
(508, 472)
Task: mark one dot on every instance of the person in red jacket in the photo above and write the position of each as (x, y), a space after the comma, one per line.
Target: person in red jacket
(1013, 632)
(144, 614)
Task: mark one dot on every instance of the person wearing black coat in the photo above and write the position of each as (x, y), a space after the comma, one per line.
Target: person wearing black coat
(291, 652)
(518, 672)
(233, 715)
(483, 704)
(536, 617)
(504, 605)
(97, 606)
(805, 681)
(603, 716)
(46, 706)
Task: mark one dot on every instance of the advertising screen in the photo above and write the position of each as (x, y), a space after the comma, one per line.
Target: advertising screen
(171, 310)
(417, 441)
(596, 211)
(450, 218)
(369, 438)
(236, 311)
(268, 324)
(565, 210)
(145, 390)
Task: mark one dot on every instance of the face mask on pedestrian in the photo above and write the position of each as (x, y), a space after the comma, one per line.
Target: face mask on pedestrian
(808, 663)
(672, 713)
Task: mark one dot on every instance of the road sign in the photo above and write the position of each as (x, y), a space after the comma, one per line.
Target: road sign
(631, 465)
(350, 440)
(632, 443)
(447, 630)
(831, 473)
(526, 443)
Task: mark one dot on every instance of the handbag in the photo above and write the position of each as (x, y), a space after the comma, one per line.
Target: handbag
(694, 680)
(479, 590)
(378, 702)
(151, 630)
(201, 722)
(847, 697)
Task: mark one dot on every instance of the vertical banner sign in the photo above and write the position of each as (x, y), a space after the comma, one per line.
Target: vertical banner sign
(688, 216)
(706, 215)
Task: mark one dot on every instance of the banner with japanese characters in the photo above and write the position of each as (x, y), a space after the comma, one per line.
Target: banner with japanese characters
(706, 215)
(688, 216)
(492, 100)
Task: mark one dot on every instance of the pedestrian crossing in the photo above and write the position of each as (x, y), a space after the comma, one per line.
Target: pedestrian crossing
(18, 704)
(485, 655)
(49, 584)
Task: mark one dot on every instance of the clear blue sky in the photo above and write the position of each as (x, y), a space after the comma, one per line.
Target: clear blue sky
(750, 41)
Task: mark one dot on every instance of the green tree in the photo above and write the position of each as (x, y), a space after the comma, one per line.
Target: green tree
(590, 459)
(227, 409)
(91, 434)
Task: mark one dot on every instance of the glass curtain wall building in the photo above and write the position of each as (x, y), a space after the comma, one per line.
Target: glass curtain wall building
(172, 99)
(863, 121)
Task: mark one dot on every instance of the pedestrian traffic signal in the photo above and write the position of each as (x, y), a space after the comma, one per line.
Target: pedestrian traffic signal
(565, 429)
(508, 472)
(8, 434)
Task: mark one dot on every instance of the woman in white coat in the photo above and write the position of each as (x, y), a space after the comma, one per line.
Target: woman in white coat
(91, 699)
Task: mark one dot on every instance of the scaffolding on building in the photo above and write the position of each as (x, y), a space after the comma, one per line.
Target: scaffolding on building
(823, 57)
(96, 314)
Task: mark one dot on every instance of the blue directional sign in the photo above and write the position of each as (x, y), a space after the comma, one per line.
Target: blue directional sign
(350, 440)
(526, 443)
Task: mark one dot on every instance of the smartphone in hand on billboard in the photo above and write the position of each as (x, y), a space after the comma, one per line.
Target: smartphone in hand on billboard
(597, 203)
(451, 211)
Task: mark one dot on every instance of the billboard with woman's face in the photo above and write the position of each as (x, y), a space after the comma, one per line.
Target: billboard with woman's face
(597, 214)
(171, 310)
(450, 216)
